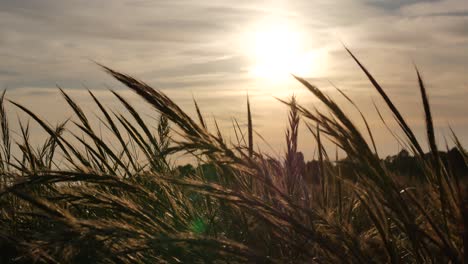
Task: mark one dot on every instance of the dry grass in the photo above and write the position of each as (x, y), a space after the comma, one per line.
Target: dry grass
(110, 206)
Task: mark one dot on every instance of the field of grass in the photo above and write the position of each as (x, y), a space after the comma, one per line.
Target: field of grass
(75, 199)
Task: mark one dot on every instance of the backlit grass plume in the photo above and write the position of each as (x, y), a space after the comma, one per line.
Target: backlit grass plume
(81, 198)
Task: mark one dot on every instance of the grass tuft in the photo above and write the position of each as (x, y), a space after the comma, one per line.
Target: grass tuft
(119, 199)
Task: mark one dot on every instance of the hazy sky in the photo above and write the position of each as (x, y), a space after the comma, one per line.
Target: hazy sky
(218, 50)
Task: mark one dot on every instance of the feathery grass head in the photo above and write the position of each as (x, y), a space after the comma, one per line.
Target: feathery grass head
(118, 199)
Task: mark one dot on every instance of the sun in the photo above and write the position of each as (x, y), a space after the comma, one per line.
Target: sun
(277, 52)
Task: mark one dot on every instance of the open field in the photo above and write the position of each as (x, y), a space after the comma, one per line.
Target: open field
(82, 198)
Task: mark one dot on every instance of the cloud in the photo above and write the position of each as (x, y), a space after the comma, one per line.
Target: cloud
(8, 73)
(197, 47)
(441, 6)
(398, 4)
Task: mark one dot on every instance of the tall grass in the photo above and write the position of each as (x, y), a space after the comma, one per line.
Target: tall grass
(130, 204)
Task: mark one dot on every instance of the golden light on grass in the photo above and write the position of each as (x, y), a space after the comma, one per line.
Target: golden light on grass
(120, 199)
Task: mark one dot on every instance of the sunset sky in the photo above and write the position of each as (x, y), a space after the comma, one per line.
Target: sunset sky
(218, 51)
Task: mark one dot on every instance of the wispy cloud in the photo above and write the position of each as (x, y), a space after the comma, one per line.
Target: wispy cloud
(187, 47)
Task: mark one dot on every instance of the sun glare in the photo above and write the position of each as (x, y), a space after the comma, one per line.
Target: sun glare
(278, 51)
